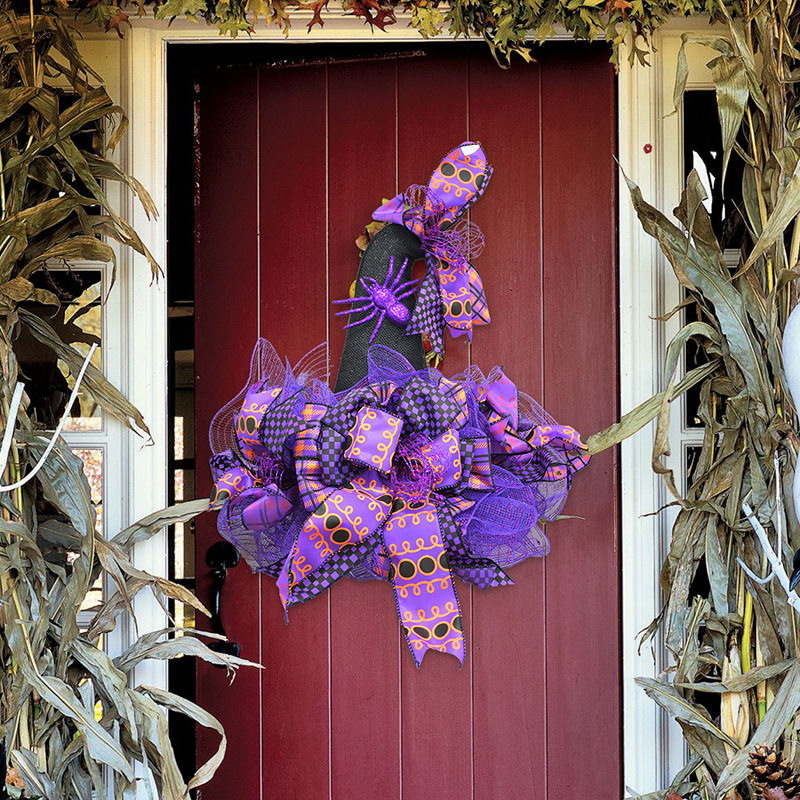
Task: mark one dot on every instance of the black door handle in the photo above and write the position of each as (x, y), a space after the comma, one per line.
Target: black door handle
(221, 557)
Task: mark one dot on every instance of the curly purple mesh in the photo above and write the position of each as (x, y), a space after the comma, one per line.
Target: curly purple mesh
(266, 368)
(414, 470)
(502, 525)
(457, 243)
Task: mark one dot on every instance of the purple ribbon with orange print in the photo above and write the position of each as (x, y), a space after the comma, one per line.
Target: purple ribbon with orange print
(501, 398)
(452, 293)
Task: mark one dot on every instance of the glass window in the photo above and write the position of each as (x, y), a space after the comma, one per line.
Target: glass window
(702, 152)
(92, 458)
(78, 322)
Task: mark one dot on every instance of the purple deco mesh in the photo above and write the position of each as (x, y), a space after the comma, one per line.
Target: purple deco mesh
(265, 550)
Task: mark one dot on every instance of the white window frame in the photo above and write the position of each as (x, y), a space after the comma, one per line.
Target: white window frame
(135, 71)
(135, 356)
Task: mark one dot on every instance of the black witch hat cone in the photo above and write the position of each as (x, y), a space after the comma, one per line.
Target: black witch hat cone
(393, 244)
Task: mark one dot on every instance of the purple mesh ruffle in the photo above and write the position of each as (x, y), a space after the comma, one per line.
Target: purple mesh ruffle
(503, 519)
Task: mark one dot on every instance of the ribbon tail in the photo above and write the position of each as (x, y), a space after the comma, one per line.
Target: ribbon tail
(423, 584)
(392, 210)
(456, 297)
(480, 310)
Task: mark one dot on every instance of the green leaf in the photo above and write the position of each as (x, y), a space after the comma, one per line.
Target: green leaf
(715, 287)
(153, 723)
(63, 480)
(151, 646)
(682, 709)
(201, 717)
(730, 82)
(741, 683)
(153, 523)
(645, 412)
(177, 8)
(76, 248)
(675, 347)
(13, 98)
(716, 568)
(99, 744)
(111, 682)
(37, 783)
(786, 209)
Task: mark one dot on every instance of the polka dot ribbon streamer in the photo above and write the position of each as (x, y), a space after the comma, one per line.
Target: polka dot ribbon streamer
(408, 477)
(452, 294)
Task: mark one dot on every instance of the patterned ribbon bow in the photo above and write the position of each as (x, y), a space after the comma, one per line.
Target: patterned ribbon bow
(397, 456)
(452, 293)
(396, 479)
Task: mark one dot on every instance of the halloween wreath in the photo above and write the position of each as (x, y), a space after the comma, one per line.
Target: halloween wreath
(400, 474)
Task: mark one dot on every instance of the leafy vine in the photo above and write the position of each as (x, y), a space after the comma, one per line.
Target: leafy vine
(508, 26)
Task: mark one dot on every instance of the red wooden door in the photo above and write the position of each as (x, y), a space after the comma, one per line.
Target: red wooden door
(292, 161)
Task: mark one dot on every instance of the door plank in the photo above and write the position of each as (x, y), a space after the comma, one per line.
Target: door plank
(436, 699)
(509, 683)
(581, 379)
(365, 645)
(294, 301)
(226, 174)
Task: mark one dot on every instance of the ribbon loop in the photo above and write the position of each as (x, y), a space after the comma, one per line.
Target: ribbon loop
(423, 585)
(435, 213)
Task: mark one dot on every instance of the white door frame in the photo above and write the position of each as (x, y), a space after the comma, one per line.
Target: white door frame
(649, 152)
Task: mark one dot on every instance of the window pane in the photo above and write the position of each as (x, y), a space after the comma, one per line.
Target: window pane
(77, 322)
(691, 457)
(93, 469)
(85, 314)
(702, 138)
(702, 152)
(695, 356)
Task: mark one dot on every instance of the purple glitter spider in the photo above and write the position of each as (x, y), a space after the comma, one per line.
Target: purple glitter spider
(382, 299)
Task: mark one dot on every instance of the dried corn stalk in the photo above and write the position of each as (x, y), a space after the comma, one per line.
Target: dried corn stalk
(736, 679)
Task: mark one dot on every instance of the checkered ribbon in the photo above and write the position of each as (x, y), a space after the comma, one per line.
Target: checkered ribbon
(370, 513)
(428, 316)
(480, 572)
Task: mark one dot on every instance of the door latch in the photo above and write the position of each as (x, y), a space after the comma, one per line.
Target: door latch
(221, 557)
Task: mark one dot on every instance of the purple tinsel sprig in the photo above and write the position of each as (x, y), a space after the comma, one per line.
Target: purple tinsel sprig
(414, 468)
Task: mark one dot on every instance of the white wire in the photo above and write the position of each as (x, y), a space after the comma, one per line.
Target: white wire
(773, 557)
(12, 416)
(16, 399)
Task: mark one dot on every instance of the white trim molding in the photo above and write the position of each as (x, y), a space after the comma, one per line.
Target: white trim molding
(651, 155)
(136, 313)
(641, 278)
